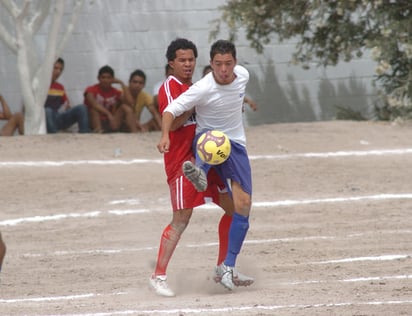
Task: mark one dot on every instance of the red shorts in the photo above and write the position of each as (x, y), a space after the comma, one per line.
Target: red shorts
(183, 194)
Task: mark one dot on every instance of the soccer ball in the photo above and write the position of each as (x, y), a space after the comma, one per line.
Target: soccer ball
(213, 147)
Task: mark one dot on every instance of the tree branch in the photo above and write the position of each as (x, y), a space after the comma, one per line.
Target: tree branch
(8, 39)
(70, 27)
(11, 7)
(41, 12)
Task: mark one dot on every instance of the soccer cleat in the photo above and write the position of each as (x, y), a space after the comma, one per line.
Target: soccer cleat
(225, 273)
(160, 286)
(195, 175)
(239, 279)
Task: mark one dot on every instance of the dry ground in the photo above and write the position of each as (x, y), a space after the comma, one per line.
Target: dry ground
(330, 229)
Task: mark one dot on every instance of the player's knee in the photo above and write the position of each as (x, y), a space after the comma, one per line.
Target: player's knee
(180, 226)
(243, 206)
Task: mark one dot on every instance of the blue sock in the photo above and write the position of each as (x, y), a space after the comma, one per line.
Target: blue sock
(237, 234)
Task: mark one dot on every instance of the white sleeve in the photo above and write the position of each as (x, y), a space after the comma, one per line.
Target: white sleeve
(186, 101)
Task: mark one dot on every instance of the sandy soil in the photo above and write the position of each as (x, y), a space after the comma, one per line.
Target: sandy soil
(330, 228)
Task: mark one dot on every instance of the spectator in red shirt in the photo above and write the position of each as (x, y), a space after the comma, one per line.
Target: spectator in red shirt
(108, 107)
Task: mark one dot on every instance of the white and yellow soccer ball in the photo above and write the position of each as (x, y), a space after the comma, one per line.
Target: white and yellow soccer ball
(213, 147)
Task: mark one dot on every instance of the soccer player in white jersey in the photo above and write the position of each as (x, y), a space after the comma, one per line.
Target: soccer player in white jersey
(218, 101)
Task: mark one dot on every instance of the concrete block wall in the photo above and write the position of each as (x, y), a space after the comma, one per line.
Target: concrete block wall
(131, 34)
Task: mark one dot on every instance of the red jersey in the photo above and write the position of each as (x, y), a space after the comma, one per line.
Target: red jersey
(180, 148)
(182, 193)
(108, 98)
(56, 96)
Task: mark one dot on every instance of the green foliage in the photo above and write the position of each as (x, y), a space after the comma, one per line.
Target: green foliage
(346, 113)
(331, 31)
(391, 113)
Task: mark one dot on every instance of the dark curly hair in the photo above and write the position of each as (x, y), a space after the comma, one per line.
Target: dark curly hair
(179, 43)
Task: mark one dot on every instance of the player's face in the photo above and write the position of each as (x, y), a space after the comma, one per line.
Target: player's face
(136, 84)
(184, 65)
(223, 66)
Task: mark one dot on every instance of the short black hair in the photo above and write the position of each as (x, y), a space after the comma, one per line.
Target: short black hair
(106, 70)
(222, 47)
(179, 43)
(139, 73)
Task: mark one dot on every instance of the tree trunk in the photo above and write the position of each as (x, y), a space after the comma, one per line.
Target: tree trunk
(35, 73)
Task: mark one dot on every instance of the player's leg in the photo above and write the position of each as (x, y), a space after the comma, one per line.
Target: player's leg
(225, 272)
(168, 242)
(196, 175)
(226, 203)
(196, 172)
(237, 168)
(240, 223)
(2, 251)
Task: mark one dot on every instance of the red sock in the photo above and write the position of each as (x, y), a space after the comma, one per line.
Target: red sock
(168, 243)
(224, 226)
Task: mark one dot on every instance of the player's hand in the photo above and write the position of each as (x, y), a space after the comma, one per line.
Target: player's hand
(163, 145)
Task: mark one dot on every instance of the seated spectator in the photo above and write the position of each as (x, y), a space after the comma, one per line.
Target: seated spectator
(142, 99)
(109, 108)
(59, 114)
(14, 121)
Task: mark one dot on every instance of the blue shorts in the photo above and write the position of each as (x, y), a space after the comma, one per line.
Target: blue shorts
(235, 168)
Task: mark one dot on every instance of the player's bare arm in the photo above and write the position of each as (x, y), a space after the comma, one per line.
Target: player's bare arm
(180, 120)
(167, 121)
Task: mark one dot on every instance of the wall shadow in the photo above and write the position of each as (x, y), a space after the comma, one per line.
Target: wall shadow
(297, 103)
(351, 95)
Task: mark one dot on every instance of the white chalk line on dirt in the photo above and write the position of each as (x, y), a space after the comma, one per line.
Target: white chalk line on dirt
(114, 162)
(220, 310)
(54, 298)
(249, 242)
(56, 217)
(370, 258)
(362, 279)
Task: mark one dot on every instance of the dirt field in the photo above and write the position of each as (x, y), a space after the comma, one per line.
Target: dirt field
(330, 232)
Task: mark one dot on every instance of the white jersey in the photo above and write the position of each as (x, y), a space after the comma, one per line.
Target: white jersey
(218, 107)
